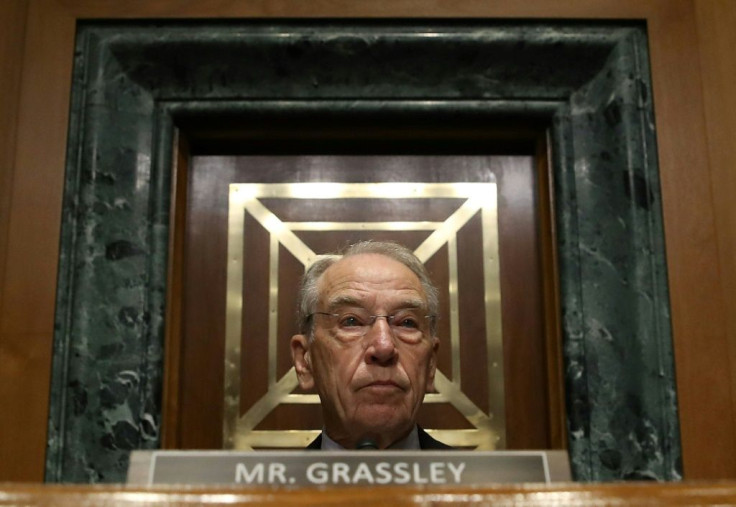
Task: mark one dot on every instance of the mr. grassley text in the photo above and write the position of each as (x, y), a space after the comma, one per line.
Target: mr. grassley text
(433, 472)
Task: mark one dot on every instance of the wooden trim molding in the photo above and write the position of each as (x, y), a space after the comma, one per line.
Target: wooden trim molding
(172, 345)
(528, 495)
(552, 304)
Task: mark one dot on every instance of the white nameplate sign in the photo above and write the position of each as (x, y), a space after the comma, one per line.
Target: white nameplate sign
(348, 468)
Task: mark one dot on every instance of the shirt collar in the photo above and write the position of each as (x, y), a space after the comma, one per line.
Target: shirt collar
(409, 442)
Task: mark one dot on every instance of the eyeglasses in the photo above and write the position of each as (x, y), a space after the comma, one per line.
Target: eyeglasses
(408, 324)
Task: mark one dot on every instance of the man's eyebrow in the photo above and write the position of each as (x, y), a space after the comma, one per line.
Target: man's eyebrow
(412, 304)
(346, 300)
(339, 301)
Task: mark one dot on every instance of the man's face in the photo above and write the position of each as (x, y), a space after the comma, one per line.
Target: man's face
(372, 385)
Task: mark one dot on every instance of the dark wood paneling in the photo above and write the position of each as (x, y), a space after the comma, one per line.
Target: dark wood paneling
(522, 292)
(552, 310)
(14, 354)
(12, 34)
(174, 296)
(527, 379)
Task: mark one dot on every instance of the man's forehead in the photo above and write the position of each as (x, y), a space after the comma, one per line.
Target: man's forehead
(368, 272)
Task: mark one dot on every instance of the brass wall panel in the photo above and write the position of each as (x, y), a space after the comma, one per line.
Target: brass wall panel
(239, 429)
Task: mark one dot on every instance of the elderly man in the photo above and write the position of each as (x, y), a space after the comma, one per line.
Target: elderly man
(368, 344)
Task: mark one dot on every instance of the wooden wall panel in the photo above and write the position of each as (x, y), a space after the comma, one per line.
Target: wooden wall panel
(716, 20)
(29, 281)
(12, 34)
(698, 312)
(39, 171)
(697, 183)
(13, 361)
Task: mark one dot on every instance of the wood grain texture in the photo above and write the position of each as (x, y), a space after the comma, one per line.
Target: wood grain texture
(16, 352)
(174, 291)
(697, 304)
(696, 174)
(622, 9)
(29, 282)
(38, 177)
(12, 34)
(24, 384)
(717, 41)
(13, 354)
(552, 305)
(527, 495)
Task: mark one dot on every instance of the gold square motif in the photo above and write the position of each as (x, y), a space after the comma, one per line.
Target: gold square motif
(239, 430)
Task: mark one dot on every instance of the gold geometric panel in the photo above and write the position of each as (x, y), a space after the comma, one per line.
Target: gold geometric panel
(487, 429)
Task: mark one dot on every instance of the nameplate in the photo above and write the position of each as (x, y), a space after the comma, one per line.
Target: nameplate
(347, 468)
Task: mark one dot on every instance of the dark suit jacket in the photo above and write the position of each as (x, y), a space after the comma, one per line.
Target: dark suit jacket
(425, 442)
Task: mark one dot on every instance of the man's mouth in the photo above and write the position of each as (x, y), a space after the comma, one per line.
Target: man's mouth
(383, 385)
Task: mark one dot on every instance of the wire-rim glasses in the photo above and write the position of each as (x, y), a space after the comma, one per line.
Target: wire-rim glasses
(407, 324)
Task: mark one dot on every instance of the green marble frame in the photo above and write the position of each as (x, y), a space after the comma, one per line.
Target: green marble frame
(137, 84)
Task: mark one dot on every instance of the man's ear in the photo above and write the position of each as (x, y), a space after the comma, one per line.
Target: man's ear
(302, 362)
(432, 368)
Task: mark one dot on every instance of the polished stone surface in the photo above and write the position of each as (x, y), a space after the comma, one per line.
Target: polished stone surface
(620, 380)
(133, 82)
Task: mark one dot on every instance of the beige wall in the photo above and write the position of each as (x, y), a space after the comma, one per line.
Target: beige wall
(693, 75)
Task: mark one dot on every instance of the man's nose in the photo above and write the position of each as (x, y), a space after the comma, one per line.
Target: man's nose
(381, 347)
